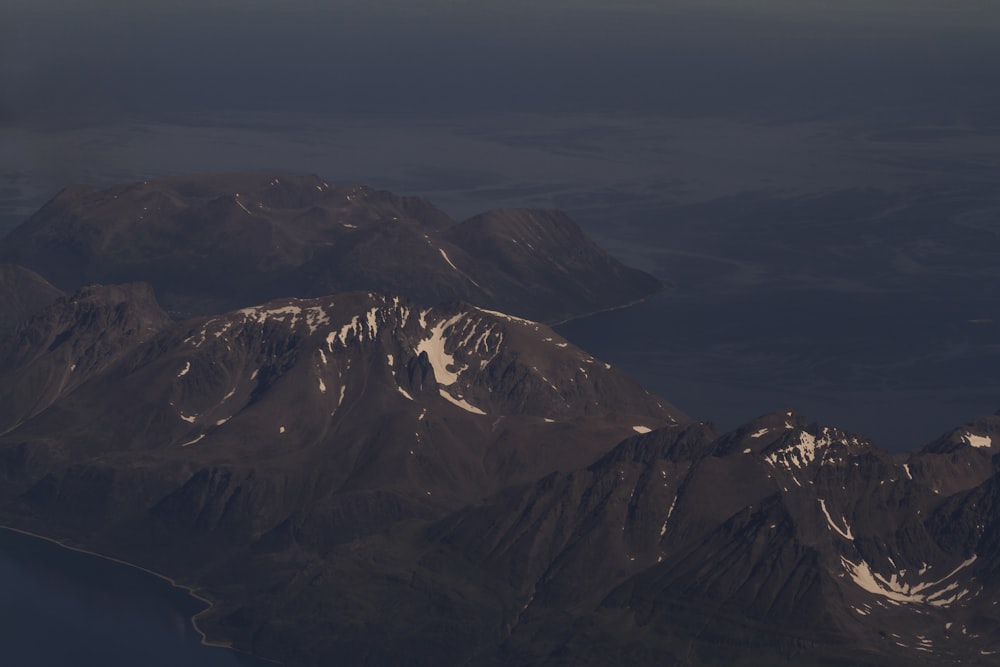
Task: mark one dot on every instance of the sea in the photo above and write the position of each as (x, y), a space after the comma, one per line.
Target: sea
(66, 608)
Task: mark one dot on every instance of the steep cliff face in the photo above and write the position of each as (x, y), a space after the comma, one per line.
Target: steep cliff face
(215, 242)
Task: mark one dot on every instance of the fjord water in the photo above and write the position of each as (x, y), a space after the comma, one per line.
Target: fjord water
(64, 607)
(728, 358)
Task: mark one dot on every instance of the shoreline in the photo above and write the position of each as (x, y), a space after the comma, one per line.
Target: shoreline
(623, 306)
(189, 590)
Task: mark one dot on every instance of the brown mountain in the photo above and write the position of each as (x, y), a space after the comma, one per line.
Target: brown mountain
(284, 432)
(22, 294)
(357, 478)
(211, 243)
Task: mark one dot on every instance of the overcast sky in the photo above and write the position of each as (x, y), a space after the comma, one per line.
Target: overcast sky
(67, 62)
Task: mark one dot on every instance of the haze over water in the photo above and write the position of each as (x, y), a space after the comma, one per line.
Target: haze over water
(817, 184)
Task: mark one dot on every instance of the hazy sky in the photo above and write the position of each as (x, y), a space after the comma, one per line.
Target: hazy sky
(64, 62)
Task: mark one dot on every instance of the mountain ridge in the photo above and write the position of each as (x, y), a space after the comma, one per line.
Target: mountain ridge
(793, 541)
(375, 478)
(215, 242)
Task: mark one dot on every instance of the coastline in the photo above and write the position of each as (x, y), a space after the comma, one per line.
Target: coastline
(189, 590)
(623, 306)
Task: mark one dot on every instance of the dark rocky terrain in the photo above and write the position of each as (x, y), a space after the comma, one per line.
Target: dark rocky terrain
(22, 293)
(366, 478)
(211, 243)
(287, 430)
(357, 478)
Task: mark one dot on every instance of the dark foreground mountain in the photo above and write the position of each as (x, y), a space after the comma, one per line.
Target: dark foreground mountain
(216, 242)
(357, 479)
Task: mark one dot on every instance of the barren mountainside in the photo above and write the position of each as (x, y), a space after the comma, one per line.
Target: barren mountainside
(311, 463)
(337, 434)
(211, 243)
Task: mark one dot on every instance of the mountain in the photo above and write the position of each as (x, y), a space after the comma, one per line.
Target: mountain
(398, 472)
(50, 355)
(782, 542)
(22, 293)
(183, 445)
(211, 243)
(357, 478)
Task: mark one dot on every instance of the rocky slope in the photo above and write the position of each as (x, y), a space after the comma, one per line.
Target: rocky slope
(48, 356)
(214, 242)
(328, 418)
(782, 541)
(373, 479)
(22, 294)
(358, 478)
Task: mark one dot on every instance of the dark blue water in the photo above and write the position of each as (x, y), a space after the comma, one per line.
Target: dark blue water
(898, 368)
(66, 608)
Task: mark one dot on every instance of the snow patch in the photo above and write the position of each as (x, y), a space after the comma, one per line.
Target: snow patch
(314, 316)
(445, 255)
(191, 442)
(241, 204)
(641, 429)
(802, 453)
(979, 441)
(505, 316)
(663, 528)
(189, 420)
(322, 385)
(344, 330)
(404, 393)
(846, 534)
(281, 429)
(760, 433)
(465, 405)
(893, 589)
(436, 355)
(372, 318)
(184, 371)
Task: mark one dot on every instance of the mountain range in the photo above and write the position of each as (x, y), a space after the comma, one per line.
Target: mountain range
(367, 477)
(217, 242)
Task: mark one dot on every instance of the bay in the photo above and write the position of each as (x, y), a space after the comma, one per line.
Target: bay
(65, 607)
